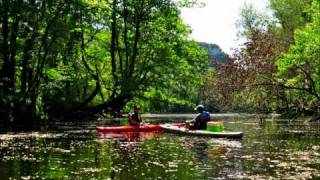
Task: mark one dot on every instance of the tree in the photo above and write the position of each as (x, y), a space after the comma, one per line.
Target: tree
(299, 68)
(148, 48)
(240, 84)
(291, 14)
(29, 39)
(62, 60)
(274, 70)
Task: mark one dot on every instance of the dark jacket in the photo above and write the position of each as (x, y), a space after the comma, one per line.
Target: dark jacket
(134, 119)
(200, 121)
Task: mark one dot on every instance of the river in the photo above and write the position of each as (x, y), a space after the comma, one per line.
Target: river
(273, 149)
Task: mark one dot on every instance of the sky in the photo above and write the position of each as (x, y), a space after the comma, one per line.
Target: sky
(215, 22)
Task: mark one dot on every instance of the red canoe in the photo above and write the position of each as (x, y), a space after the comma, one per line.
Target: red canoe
(118, 129)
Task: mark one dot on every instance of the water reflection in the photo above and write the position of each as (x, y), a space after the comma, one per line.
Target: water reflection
(269, 151)
(130, 136)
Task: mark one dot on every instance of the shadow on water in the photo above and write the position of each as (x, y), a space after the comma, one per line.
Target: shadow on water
(272, 150)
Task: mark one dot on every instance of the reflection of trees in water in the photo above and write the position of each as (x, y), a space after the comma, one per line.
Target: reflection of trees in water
(216, 157)
(215, 152)
(213, 148)
(162, 157)
(201, 149)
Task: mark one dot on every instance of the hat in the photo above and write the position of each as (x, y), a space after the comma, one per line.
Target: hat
(198, 107)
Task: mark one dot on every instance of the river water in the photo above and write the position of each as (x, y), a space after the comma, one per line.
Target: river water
(273, 149)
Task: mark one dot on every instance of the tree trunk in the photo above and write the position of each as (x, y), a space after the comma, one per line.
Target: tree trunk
(5, 49)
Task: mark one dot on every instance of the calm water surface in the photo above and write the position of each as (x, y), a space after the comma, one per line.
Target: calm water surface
(272, 150)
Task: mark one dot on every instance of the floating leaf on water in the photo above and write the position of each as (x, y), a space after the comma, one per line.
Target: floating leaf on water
(25, 177)
(275, 161)
(316, 148)
(283, 164)
(173, 164)
(91, 170)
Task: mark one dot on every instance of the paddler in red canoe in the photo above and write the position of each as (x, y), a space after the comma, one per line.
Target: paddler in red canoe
(135, 117)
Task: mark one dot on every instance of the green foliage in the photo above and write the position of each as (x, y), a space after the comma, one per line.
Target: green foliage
(292, 14)
(174, 86)
(299, 68)
(152, 53)
(63, 59)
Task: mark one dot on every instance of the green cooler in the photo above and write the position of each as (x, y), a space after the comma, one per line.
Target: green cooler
(214, 126)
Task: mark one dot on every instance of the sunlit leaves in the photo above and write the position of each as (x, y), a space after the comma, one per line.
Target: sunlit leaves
(292, 14)
(300, 65)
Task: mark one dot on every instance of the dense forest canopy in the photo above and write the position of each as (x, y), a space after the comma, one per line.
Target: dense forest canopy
(63, 59)
(75, 59)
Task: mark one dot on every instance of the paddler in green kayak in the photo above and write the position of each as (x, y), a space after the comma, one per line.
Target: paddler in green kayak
(200, 121)
(135, 117)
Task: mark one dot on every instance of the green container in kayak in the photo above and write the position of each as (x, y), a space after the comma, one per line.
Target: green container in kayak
(215, 126)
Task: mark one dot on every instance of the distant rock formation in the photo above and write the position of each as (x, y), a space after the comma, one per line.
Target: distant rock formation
(215, 53)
